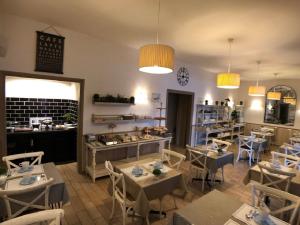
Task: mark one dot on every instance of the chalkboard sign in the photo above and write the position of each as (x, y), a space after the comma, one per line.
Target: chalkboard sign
(49, 52)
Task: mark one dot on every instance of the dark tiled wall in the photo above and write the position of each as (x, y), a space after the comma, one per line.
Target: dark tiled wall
(20, 109)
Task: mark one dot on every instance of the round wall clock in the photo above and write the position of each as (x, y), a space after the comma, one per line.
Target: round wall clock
(183, 76)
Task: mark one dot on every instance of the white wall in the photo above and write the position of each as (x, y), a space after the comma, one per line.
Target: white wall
(37, 88)
(255, 106)
(106, 68)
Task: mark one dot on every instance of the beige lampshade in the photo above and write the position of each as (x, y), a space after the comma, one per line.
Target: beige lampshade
(228, 80)
(257, 91)
(273, 95)
(291, 101)
(156, 59)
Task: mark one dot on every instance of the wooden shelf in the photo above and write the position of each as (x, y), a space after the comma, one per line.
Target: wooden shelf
(113, 104)
(160, 118)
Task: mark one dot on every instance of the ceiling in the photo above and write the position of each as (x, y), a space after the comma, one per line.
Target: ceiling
(266, 30)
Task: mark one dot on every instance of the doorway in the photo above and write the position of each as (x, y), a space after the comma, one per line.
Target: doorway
(79, 120)
(179, 116)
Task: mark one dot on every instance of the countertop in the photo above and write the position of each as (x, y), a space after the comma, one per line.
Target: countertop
(42, 131)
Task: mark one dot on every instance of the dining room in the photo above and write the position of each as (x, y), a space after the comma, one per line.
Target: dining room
(155, 112)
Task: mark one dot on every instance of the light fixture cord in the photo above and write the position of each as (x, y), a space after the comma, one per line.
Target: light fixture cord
(158, 14)
(229, 64)
(258, 70)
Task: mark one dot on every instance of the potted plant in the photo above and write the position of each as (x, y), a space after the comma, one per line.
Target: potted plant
(68, 119)
(3, 173)
(234, 116)
(156, 172)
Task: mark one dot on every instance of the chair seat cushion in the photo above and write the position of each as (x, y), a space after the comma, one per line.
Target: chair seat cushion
(245, 147)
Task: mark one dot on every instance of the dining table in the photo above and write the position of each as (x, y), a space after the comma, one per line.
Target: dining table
(215, 208)
(215, 161)
(148, 187)
(254, 174)
(58, 193)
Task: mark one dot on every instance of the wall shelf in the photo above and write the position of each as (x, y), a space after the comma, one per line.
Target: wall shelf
(102, 120)
(113, 104)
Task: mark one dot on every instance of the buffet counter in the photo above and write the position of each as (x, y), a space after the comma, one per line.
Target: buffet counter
(59, 145)
(97, 153)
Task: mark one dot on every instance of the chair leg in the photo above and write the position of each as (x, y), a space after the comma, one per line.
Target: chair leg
(160, 208)
(147, 220)
(250, 158)
(113, 208)
(174, 200)
(222, 169)
(238, 157)
(124, 214)
(203, 180)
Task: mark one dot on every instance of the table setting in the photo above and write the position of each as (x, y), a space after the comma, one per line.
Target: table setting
(23, 176)
(27, 176)
(144, 183)
(256, 216)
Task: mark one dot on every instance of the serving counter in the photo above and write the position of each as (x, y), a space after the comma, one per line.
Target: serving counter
(118, 153)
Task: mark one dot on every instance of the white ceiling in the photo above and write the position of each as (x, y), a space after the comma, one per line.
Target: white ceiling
(266, 30)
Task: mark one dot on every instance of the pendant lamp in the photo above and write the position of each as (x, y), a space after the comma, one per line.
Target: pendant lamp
(274, 95)
(228, 80)
(156, 58)
(257, 90)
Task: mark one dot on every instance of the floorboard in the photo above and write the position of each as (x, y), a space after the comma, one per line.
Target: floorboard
(91, 203)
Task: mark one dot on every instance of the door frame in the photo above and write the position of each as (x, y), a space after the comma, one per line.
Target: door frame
(192, 94)
(3, 138)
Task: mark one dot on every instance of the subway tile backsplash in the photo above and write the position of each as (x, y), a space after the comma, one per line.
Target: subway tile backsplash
(20, 109)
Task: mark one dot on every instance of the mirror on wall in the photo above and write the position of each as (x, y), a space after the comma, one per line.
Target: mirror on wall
(280, 105)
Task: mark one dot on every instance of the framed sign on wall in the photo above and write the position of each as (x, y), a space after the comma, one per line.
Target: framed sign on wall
(49, 53)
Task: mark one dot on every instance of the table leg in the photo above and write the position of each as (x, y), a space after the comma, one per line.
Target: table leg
(94, 165)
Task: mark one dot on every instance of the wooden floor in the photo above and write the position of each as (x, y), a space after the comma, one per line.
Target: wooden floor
(91, 203)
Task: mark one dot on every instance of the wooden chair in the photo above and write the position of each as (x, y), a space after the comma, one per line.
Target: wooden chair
(119, 192)
(198, 159)
(224, 145)
(38, 192)
(292, 152)
(291, 203)
(246, 145)
(221, 144)
(174, 159)
(10, 158)
(272, 177)
(289, 160)
(52, 217)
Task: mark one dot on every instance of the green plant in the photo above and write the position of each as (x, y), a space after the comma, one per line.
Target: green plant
(3, 169)
(68, 117)
(156, 172)
(234, 115)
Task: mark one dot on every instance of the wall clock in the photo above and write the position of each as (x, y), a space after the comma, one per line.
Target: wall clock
(183, 76)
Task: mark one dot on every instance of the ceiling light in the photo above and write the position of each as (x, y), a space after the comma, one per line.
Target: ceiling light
(291, 101)
(228, 80)
(156, 58)
(257, 90)
(274, 95)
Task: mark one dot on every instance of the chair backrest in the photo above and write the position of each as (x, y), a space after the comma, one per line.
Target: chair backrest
(258, 134)
(118, 183)
(198, 157)
(272, 177)
(221, 144)
(10, 158)
(15, 205)
(246, 141)
(259, 192)
(289, 160)
(52, 217)
(174, 159)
